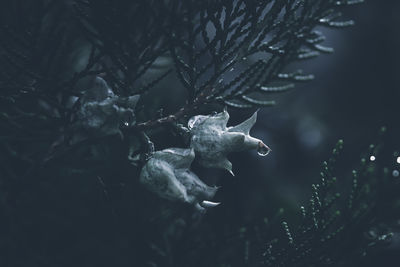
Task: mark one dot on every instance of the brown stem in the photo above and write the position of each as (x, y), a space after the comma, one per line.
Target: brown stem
(202, 99)
(167, 119)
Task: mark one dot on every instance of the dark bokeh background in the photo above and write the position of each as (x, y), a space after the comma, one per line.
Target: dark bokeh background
(355, 92)
(76, 220)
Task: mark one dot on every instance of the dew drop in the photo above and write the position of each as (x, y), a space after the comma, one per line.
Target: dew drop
(395, 173)
(263, 150)
(192, 122)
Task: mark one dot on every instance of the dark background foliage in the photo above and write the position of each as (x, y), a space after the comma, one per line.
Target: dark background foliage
(355, 92)
(76, 219)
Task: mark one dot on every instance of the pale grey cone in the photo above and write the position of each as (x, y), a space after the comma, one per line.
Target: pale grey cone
(212, 140)
(104, 113)
(168, 175)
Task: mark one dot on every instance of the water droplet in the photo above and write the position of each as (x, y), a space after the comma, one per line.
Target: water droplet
(395, 173)
(194, 120)
(263, 150)
(372, 158)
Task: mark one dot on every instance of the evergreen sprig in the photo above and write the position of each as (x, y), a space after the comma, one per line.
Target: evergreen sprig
(220, 52)
(337, 228)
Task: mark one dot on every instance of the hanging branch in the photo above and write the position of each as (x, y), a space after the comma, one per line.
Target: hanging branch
(209, 44)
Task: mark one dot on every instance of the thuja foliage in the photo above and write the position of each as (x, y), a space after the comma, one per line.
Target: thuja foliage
(99, 93)
(338, 228)
(74, 73)
(351, 219)
(50, 48)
